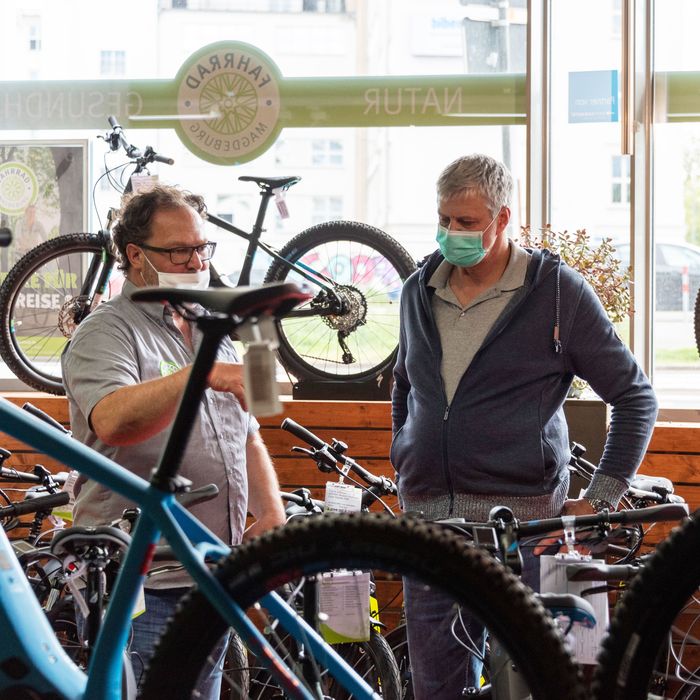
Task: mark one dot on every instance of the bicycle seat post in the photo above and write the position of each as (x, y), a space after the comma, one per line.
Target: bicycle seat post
(265, 194)
(214, 329)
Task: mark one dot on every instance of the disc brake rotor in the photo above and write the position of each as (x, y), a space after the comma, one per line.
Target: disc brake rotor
(67, 314)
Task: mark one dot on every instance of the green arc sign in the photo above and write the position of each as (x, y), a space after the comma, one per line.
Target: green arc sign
(229, 102)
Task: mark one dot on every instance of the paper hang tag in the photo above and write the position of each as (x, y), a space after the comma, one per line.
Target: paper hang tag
(342, 498)
(143, 183)
(260, 379)
(343, 606)
(585, 642)
(62, 514)
(281, 202)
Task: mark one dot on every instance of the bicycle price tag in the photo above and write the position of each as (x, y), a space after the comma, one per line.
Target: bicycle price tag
(143, 183)
(281, 202)
(342, 498)
(62, 514)
(343, 606)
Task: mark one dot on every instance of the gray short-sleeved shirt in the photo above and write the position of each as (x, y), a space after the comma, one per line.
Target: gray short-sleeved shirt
(123, 343)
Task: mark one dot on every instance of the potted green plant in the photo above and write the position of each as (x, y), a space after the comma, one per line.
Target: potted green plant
(601, 268)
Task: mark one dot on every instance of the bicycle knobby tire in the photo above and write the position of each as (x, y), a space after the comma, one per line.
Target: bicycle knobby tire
(405, 547)
(644, 617)
(26, 355)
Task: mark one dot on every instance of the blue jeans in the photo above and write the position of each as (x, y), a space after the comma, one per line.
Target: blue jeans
(441, 667)
(148, 628)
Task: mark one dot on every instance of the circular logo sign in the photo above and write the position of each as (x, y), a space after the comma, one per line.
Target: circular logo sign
(228, 102)
(18, 188)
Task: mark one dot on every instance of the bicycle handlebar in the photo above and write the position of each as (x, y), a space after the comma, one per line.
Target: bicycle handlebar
(653, 514)
(5, 237)
(329, 454)
(38, 413)
(34, 505)
(303, 434)
(117, 139)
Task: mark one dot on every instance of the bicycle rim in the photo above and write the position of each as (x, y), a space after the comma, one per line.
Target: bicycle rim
(439, 559)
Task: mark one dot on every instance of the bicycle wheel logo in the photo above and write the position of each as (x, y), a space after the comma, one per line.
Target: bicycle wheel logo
(228, 102)
(18, 188)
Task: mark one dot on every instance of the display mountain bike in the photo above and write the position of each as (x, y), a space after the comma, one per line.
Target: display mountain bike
(348, 330)
(371, 656)
(240, 591)
(660, 612)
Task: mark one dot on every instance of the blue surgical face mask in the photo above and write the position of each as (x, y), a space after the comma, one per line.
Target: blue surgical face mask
(462, 248)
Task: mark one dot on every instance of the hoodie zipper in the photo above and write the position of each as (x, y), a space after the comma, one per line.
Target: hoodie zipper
(445, 462)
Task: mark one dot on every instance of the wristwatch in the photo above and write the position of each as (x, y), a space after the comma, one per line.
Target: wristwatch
(599, 505)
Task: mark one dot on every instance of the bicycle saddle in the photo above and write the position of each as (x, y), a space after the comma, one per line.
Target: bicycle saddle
(74, 540)
(271, 182)
(276, 298)
(644, 482)
(574, 607)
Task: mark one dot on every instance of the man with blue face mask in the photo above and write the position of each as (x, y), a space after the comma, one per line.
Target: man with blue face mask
(125, 370)
(492, 335)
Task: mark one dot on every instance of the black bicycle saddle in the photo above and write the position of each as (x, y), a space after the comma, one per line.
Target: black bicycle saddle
(74, 540)
(275, 298)
(271, 182)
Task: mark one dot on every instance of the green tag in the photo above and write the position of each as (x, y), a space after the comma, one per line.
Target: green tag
(168, 368)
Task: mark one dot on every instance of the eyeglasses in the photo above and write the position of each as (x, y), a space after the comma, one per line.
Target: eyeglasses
(182, 255)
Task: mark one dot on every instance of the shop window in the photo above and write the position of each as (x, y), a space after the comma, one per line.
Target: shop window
(326, 209)
(326, 152)
(34, 34)
(620, 180)
(112, 62)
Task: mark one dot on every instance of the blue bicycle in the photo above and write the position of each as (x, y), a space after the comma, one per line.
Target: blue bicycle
(241, 591)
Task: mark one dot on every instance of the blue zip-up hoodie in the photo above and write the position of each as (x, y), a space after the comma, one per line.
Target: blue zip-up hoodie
(505, 432)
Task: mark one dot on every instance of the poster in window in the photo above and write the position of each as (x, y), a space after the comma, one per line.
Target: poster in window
(42, 193)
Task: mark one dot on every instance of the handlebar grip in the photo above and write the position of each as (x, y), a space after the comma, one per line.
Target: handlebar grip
(35, 504)
(302, 433)
(199, 495)
(38, 413)
(5, 237)
(654, 514)
(163, 159)
(113, 122)
(13, 475)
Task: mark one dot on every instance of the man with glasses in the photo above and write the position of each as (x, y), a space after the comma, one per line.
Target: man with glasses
(125, 370)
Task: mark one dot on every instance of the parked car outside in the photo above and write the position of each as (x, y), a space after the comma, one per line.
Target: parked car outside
(673, 262)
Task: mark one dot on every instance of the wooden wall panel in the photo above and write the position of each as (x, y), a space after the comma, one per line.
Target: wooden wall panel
(674, 452)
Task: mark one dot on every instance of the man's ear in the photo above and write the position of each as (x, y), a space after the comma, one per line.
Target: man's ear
(135, 256)
(503, 217)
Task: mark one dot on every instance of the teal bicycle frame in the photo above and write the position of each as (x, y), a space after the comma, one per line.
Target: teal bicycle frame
(30, 654)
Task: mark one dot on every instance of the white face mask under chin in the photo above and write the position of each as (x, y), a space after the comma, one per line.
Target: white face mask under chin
(184, 280)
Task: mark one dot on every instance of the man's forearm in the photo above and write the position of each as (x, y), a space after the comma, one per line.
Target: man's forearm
(132, 414)
(264, 500)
